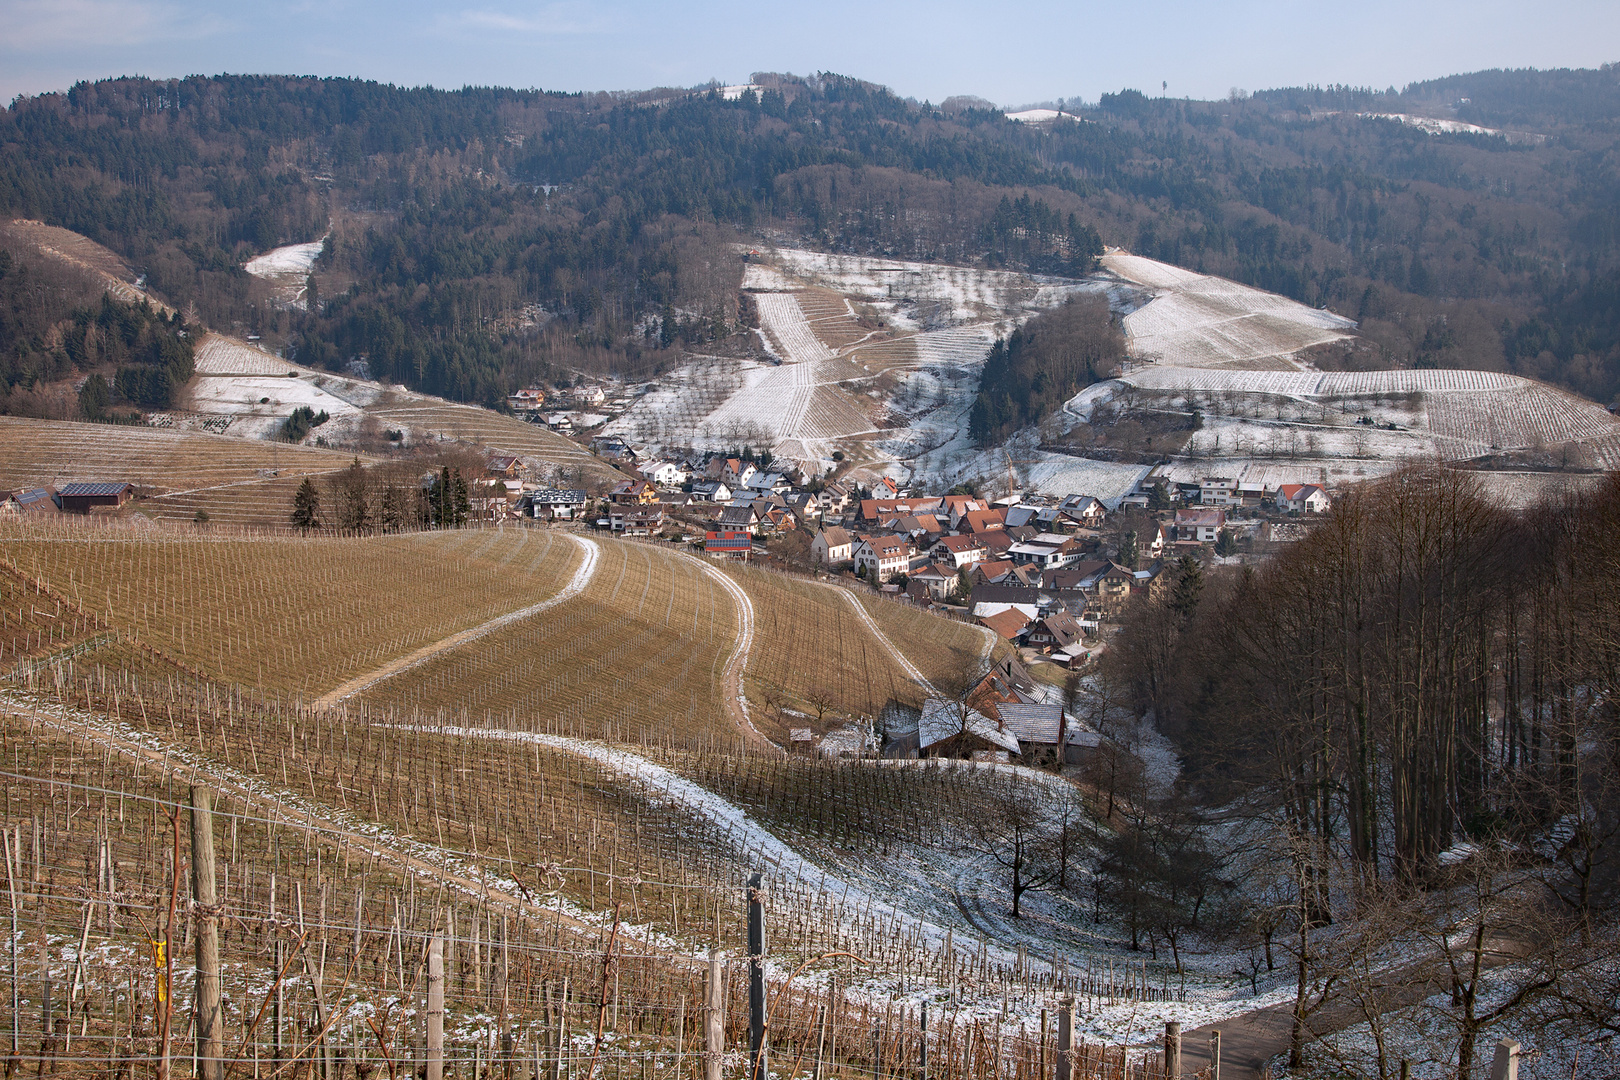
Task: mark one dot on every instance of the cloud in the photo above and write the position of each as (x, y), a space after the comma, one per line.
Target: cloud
(545, 21)
(39, 25)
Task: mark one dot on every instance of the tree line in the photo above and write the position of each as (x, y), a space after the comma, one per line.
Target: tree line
(1416, 704)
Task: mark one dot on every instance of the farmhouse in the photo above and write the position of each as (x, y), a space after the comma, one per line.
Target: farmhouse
(939, 582)
(949, 729)
(41, 500)
(1302, 498)
(1203, 526)
(882, 557)
(555, 504)
(82, 498)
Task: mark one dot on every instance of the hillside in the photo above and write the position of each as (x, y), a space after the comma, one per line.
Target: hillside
(560, 233)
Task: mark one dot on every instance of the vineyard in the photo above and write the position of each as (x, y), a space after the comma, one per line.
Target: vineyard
(1195, 320)
(814, 663)
(291, 615)
(568, 944)
(59, 452)
(639, 654)
(442, 421)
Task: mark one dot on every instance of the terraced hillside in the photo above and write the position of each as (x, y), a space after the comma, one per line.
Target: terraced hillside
(292, 615)
(848, 335)
(640, 652)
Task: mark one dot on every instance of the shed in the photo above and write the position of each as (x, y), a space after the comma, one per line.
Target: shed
(81, 498)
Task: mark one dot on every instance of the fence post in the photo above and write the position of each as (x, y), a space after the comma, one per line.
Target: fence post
(1172, 1049)
(714, 1018)
(923, 1042)
(210, 1034)
(1505, 1066)
(756, 980)
(434, 1058)
(1065, 1039)
(1215, 1054)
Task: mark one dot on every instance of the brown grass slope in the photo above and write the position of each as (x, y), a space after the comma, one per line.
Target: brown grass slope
(287, 614)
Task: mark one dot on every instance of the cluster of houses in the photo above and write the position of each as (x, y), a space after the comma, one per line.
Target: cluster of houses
(1005, 716)
(79, 498)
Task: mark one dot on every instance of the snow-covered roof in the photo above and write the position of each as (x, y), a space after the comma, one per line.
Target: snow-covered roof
(1032, 723)
(942, 719)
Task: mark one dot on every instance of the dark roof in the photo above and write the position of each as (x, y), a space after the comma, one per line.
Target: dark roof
(1037, 723)
(93, 489)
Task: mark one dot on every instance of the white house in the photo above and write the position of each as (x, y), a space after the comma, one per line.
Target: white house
(1202, 525)
(832, 547)
(882, 557)
(1305, 498)
(666, 473)
(1219, 491)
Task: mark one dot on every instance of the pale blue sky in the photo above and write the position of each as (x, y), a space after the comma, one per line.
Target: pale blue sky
(1010, 54)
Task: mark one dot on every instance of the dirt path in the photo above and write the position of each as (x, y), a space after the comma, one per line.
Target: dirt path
(731, 678)
(1249, 1040)
(576, 585)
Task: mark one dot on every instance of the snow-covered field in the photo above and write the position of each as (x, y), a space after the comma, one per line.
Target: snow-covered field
(292, 259)
(1196, 320)
(1451, 414)
(939, 324)
(1430, 124)
(287, 268)
(1040, 116)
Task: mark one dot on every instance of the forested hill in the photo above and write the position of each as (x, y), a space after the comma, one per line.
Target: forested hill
(483, 237)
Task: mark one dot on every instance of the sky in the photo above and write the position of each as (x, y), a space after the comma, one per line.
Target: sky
(1038, 50)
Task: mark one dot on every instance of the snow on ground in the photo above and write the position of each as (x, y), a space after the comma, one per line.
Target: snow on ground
(292, 259)
(252, 387)
(1431, 125)
(1197, 320)
(1040, 116)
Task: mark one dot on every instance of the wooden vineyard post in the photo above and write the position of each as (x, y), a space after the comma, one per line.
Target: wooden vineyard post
(756, 980)
(922, 1042)
(208, 1019)
(1215, 1054)
(714, 1017)
(434, 1057)
(821, 1042)
(1172, 1049)
(1065, 1040)
(11, 892)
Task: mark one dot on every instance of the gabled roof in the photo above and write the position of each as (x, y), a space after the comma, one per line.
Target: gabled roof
(1007, 624)
(984, 520)
(1201, 518)
(1064, 628)
(1020, 515)
(996, 541)
(942, 719)
(836, 537)
(1032, 723)
(956, 545)
(887, 545)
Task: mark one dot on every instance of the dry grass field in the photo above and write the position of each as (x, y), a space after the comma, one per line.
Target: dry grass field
(812, 654)
(34, 452)
(432, 419)
(639, 654)
(941, 648)
(288, 614)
